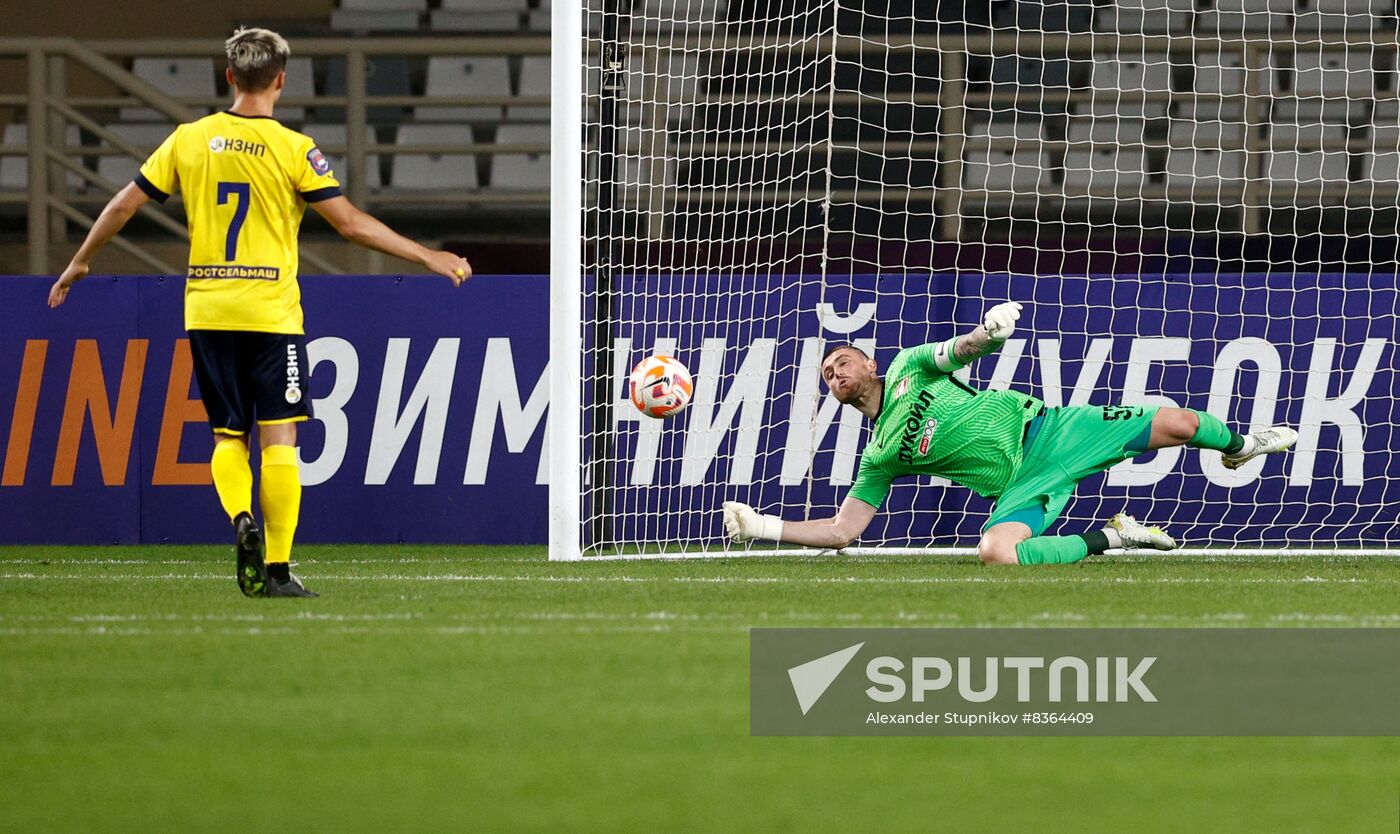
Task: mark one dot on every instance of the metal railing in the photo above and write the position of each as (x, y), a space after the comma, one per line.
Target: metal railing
(50, 109)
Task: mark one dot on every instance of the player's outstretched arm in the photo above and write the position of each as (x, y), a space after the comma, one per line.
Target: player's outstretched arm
(997, 326)
(114, 217)
(359, 227)
(743, 523)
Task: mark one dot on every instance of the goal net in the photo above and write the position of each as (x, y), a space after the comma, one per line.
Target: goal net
(1196, 202)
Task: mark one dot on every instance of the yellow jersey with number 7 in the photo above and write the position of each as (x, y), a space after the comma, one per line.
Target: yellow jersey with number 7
(246, 181)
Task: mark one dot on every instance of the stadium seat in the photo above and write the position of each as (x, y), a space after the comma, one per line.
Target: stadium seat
(1212, 111)
(429, 171)
(1190, 133)
(335, 135)
(1301, 124)
(516, 7)
(385, 5)
(301, 83)
(120, 170)
(1285, 136)
(1331, 110)
(1106, 172)
(1027, 129)
(1029, 71)
(675, 79)
(1107, 105)
(1145, 17)
(1142, 21)
(1385, 130)
(1111, 73)
(1383, 167)
(1017, 81)
(693, 11)
(540, 18)
(641, 141)
(175, 77)
(523, 171)
(14, 170)
(1018, 171)
(534, 81)
(378, 15)
(348, 20)
(1235, 17)
(1332, 74)
(1220, 72)
(479, 15)
(1358, 16)
(640, 174)
(1307, 167)
(1051, 17)
(384, 76)
(1159, 5)
(1204, 170)
(1108, 130)
(1117, 85)
(465, 76)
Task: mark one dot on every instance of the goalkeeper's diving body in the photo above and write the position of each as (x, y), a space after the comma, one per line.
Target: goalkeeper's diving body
(1001, 444)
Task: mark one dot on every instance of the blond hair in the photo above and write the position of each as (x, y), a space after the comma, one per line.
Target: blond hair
(256, 56)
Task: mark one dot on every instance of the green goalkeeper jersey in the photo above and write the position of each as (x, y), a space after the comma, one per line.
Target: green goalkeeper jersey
(931, 423)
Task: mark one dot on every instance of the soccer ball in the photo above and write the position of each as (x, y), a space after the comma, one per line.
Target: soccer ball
(661, 387)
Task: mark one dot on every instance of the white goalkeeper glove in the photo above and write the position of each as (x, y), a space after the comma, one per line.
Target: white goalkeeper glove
(743, 522)
(1000, 321)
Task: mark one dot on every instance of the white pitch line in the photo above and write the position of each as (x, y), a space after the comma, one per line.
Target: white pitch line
(659, 617)
(964, 552)
(737, 580)
(302, 616)
(483, 630)
(740, 628)
(804, 557)
(391, 560)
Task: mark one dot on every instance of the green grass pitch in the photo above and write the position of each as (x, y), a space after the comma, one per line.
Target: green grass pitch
(485, 689)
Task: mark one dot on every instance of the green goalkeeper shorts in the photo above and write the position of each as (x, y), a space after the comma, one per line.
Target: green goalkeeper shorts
(1063, 447)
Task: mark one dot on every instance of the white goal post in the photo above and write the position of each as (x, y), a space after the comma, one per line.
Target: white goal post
(1198, 203)
(563, 444)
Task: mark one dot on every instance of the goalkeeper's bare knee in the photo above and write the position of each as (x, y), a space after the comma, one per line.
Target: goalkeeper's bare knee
(998, 544)
(1173, 427)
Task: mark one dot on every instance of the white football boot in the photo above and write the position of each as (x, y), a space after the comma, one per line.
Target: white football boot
(1136, 536)
(1262, 442)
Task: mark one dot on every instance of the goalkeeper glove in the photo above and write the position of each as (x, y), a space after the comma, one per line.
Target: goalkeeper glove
(742, 523)
(1000, 321)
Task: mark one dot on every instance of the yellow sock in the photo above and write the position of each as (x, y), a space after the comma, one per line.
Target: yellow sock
(280, 496)
(233, 478)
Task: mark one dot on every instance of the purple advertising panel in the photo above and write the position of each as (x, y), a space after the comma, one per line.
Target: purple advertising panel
(419, 390)
(1311, 351)
(431, 404)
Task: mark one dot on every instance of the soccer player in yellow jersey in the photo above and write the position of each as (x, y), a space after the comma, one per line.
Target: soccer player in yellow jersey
(246, 181)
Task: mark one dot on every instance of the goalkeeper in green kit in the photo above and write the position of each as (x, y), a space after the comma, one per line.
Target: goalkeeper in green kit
(1000, 444)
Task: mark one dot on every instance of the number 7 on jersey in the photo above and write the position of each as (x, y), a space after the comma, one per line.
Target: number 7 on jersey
(243, 191)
